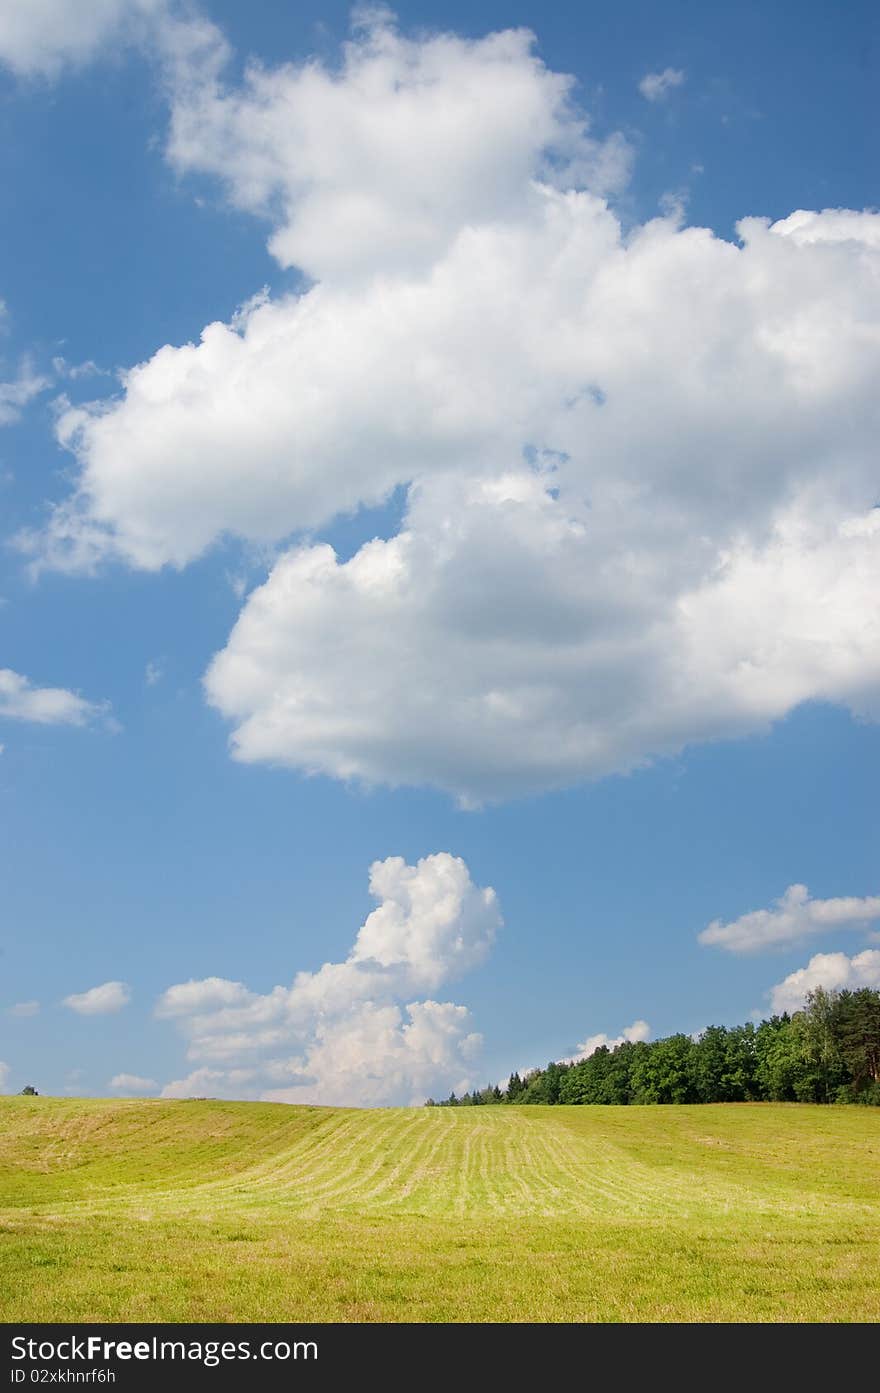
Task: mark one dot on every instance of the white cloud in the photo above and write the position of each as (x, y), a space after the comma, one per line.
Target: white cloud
(16, 395)
(22, 1009)
(506, 642)
(133, 1083)
(794, 918)
(207, 1083)
(5, 1071)
(38, 38)
(639, 1030)
(350, 1032)
(100, 1001)
(640, 464)
(828, 970)
(377, 1054)
(20, 700)
(261, 396)
(76, 371)
(196, 997)
(153, 673)
(378, 166)
(654, 87)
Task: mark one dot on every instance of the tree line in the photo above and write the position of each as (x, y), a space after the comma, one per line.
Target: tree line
(827, 1053)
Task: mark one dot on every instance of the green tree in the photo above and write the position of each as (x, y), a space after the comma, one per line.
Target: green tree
(664, 1073)
(858, 1032)
(515, 1088)
(816, 1028)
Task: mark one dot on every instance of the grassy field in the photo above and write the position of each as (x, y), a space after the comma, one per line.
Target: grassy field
(117, 1211)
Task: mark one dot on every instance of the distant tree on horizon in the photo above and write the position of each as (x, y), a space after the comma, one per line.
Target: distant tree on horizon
(828, 1052)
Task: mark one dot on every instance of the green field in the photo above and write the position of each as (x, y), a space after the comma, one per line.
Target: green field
(143, 1211)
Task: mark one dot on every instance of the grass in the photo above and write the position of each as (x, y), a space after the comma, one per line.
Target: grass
(214, 1211)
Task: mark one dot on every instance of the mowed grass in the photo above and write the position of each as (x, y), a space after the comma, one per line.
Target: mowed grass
(173, 1211)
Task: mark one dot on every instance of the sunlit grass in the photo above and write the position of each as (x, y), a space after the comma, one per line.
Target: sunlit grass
(243, 1211)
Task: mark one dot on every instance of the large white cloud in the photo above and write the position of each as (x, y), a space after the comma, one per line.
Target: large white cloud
(641, 463)
(20, 700)
(356, 1034)
(794, 917)
(828, 970)
(503, 643)
(379, 165)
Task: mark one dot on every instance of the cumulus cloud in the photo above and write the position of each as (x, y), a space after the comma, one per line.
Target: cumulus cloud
(22, 1009)
(344, 161)
(639, 1030)
(5, 1071)
(350, 1032)
(100, 1001)
(639, 463)
(794, 917)
(503, 642)
(654, 87)
(133, 1083)
(20, 700)
(378, 166)
(828, 970)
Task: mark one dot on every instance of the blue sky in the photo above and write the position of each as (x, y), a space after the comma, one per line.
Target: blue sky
(615, 648)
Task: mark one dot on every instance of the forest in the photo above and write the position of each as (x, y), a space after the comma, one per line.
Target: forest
(829, 1052)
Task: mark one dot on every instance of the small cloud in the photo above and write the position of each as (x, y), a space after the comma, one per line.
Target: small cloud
(133, 1083)
(22, 1009)
(654, 87)
(16, 395)
(20, 700)
(639, 1030)
(794, 917)
(196, 1084)
(673, 205)
(5, 1071)
(76, 371)
(208, 994)
(237, 584)
(153, 673)
(100, 1001)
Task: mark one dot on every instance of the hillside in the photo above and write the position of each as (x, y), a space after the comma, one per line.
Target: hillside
(210, 1210)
